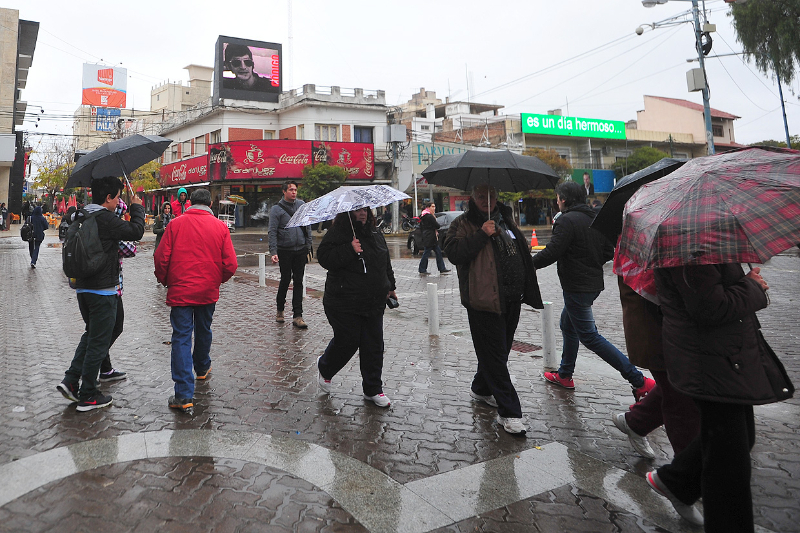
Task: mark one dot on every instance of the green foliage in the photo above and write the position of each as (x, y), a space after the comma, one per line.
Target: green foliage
(320, 179)
(795, 140)
(769, 31)
(146, 176)
(54, 166)
(640, 158)
(554, 160)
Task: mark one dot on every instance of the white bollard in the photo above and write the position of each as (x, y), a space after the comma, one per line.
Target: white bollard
(262, 270)
(433, 309)
(550, 361)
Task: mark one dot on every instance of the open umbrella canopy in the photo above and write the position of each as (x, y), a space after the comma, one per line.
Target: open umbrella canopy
(117, 158)
(342, 200)
(236, 199)
(503, 170)
(735, 207)
(609, 220)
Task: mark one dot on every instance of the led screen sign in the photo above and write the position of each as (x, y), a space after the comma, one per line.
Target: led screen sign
(572, 126)
(247, 70)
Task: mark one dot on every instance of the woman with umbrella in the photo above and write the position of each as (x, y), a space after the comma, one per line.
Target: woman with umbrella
(360, 279)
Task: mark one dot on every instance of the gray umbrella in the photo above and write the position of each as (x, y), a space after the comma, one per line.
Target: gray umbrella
(117, 158)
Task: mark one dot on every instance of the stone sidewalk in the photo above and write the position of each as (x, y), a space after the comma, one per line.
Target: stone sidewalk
(265, 452)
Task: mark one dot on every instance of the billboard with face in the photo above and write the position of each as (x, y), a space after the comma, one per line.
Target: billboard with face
(104, 86)
(247, 70)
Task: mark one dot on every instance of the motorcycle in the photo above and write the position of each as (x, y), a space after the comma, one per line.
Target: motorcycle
(384, 226)
(409, 223)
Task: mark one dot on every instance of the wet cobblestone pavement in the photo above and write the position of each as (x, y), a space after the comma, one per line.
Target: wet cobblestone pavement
(302, 461)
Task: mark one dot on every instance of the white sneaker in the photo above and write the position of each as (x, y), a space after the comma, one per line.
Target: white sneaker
(485, 399)
(324, 384)
(638, 442)
(512, 425)
(688, 512)
(381, 400)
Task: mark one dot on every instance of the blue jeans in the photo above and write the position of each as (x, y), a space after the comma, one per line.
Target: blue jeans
(578, 327)
(33, 248)
(423, 263)
(186, 320)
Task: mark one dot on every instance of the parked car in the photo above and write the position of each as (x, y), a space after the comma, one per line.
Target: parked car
(444, 219)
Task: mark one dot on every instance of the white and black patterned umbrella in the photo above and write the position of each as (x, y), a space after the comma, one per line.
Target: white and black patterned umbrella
(342, 200)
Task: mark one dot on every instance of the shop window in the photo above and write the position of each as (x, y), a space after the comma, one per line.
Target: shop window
(362, 134)
(326, 132)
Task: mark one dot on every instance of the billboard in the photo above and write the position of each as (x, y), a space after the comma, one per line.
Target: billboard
(247, 70)
(105, 119)
(285, 159)
(104, 86)
(572, 126)
(191, 170)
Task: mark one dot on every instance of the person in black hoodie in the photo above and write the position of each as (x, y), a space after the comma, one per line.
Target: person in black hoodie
(40, 225)
(360, 279)
(97, 294)
(581, 252)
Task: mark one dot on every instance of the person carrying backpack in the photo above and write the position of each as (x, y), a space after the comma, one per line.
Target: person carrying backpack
(97, 291)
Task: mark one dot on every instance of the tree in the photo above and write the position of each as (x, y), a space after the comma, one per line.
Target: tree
(552, 159)
(320, 179)
(146, 176)
(54, 164)
(640, 158)
(795, 140)
(769, 31)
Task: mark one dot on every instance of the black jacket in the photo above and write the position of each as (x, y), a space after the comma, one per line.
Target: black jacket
(112, 229)
(39, 223)
(348, 288)
(713, 347)
(581, 251)
(429, 226)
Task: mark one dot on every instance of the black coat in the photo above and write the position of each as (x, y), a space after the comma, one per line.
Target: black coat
(581, 251)
(39, 223)
(429, 226)
(348, 288)
(713, 347)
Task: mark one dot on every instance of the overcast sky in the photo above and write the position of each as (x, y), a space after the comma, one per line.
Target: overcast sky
(514, 53)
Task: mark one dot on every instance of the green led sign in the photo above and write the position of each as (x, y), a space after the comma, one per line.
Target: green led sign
(573, 126)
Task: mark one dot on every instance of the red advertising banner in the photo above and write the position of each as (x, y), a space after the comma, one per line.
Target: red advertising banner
(192, 170)
(285, 159)
(104, 86)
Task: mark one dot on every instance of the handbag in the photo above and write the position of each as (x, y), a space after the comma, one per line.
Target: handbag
(392, 303)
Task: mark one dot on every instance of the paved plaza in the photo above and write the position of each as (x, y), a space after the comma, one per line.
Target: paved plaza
(265, 451)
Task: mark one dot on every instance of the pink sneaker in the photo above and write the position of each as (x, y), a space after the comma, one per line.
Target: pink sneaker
(642, 391)
(553, 377)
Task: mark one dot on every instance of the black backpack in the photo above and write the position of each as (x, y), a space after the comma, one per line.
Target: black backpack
(82, 255)
(26, 231)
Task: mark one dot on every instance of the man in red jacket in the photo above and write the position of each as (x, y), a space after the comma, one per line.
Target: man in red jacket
(194, 258)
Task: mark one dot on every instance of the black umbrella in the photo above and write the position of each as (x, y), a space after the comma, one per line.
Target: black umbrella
(609, 220)
(503, 170)
(117, 158)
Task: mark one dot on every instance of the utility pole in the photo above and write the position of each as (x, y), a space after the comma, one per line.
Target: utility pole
(783, 108)
(706, 104)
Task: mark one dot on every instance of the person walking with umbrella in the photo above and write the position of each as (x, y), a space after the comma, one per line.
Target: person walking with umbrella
(495, 277)
(360, 279)
(581, 253)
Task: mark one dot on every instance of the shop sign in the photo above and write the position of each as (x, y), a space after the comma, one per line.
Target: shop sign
(572, 126)
(192, 170)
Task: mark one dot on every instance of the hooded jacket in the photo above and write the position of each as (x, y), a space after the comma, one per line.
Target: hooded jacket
(471, 250)
(179, 208)
(580, 251)
(39, 224)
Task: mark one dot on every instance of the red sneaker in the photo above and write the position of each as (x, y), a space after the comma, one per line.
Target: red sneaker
(553, 377)
(642, 391)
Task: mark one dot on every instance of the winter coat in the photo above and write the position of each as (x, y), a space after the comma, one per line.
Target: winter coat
(641, 320)
(283, 238)
(111, 229)
(160, 223)
(39, 223)
(471, 250)
(194, 258)
(713, 347)
(429, 225)
(580, 251)
(348, 288)
(179, 208)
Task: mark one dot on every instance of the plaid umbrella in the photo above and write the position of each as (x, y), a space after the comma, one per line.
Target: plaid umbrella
(735, 207)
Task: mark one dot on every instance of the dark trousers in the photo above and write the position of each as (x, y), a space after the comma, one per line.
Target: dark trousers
(185, 321)
(105, 365)
(292, 265)
(665, 405)
(716, 466)
(33, 248)
(492, 335)
(100, 315)
(353, 332)
(423, 263)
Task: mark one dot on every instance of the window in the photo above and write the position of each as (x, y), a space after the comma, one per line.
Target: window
(200, 144)
(215, 137)
(425, 127)
(173, 153)
(681, 155)
(362, 134)
(716, 130)
(325, 132)
(301, 132)
(563, 153)
(269, 134)
(186, 148)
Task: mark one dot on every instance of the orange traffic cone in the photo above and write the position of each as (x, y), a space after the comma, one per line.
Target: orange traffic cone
(534, 240)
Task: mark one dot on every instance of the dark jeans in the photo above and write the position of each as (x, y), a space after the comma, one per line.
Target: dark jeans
(423, 263)
(665, 405)
(100, 315)
(105, 365)
(33, 248)
(353, 332)
(578, 327)
(716, 466)
(186, 320)
(292, 265)
(492, 335)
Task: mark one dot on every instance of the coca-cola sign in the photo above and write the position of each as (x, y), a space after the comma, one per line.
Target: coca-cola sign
(192, 170)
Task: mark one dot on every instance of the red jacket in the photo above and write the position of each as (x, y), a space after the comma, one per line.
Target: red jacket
(195, 256)
(176, 207)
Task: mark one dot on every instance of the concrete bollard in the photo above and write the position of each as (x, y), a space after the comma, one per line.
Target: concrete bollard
(262, 270)
(433, 309)
(550, 361)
